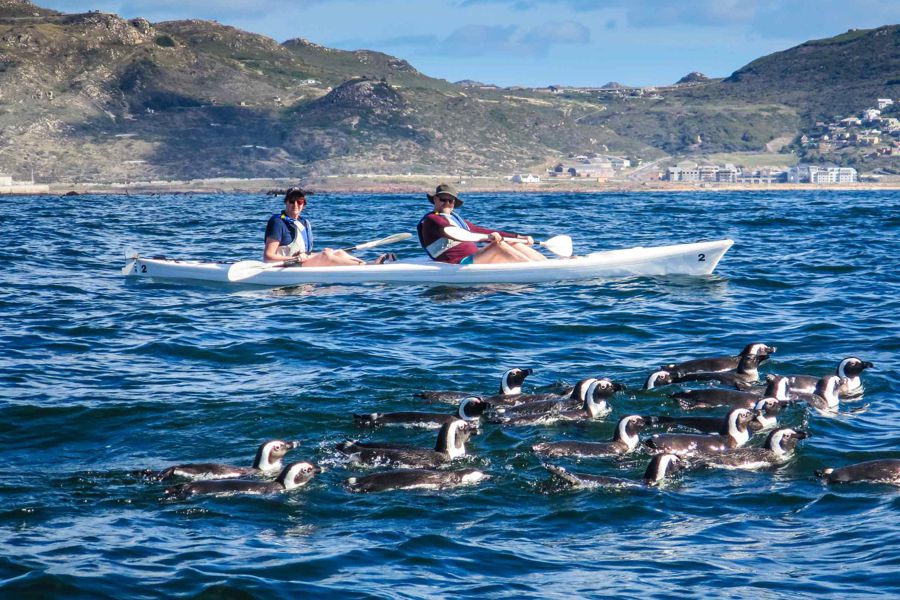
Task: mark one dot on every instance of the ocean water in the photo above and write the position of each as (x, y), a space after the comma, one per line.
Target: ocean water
(100, 377)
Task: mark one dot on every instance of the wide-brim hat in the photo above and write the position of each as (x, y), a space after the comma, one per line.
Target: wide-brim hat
(295, 192)
(447, 189)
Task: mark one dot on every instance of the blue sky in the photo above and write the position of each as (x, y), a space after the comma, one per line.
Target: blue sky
(535, 42)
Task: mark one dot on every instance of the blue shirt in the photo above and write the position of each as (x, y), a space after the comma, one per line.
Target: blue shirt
(278, 228)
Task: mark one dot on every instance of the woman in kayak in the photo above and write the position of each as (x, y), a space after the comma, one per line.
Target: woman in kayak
(443, 247)
(289, 238)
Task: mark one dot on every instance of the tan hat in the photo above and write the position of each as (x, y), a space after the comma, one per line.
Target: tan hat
(447, 189)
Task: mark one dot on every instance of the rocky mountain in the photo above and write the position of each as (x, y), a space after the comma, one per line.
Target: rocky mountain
(96, 97)
(693, 77)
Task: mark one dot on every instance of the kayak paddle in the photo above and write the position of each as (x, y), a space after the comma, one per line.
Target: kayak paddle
(247, 268)
(560, 245)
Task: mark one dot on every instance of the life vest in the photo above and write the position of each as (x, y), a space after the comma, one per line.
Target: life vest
(442, 244)
(303, 237)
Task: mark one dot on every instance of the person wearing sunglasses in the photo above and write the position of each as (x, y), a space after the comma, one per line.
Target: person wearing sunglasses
(289, 238)
(442, 247)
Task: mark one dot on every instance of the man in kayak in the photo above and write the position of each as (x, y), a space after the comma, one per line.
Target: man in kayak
(504, 246)
(289, 238)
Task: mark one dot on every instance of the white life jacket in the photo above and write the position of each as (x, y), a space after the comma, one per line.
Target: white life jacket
(441, 245)
(303, 238)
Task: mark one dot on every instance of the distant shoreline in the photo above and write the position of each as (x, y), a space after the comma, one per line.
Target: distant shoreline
(422, 184)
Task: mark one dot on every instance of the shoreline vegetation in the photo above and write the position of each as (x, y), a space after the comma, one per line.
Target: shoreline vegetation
(380, 184)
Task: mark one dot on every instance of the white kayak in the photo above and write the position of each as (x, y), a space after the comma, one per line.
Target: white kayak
(681, 259)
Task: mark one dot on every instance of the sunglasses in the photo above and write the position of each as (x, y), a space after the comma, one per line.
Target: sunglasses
(300, 201)
(446, 199)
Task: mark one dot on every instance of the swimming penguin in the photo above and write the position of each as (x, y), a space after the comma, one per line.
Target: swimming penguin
(575, 400)
(826, 399)
(658, 379)
(268, 460)
(734, 434)
(766, 410)
(719, 363)
(850, 368)
(510, 385)
(594, 406)
(742, 378)
(470, 410)
(624, 441)
(777, 450)
(661, 467)
(451, 443)
(414, 479)
(292, 476)
(777, 387)
(885, 470)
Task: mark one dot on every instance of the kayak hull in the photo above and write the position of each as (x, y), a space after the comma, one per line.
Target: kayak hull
(681, 259)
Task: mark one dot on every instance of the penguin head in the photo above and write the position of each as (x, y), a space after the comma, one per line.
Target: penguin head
(852, 367)
(658, 378)
(629, 428)
(471, 408)
(512, 380)
(595, 397)
(269, 454)
(758, 348)
(777, 386)
(784, 440)
(736, 424)
(298, 473)
(453, 436)
(662, 466)
(580, 390)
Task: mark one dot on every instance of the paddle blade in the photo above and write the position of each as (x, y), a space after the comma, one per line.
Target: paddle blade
(560, 245)
(241, 270)
(391, 239)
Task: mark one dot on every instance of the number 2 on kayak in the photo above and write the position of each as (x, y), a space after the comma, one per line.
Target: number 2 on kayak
(701, 257)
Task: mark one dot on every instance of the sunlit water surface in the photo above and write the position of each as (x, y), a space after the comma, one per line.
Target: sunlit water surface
(100, 376)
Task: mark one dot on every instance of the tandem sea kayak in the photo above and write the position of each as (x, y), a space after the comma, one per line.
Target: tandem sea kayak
(681, 259)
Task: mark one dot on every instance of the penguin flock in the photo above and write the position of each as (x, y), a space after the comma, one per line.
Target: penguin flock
(673, 442)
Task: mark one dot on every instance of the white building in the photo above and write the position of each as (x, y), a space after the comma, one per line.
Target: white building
(884, 103)
(817, 174)
(4, 180)
(871, 114)
(526, 178)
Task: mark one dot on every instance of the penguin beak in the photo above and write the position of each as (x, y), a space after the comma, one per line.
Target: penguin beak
(292, 445)
(619, 387)
(801, 434)
(868, 365)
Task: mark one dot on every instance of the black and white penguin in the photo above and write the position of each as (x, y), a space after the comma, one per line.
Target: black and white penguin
(451, 444)
(470, 410)
(885, 470)
(661, 467)
(742, 378)
(658, 379)
(510, 385)
(777, 450)
(414, 479)
(291, 477)
(850, 368)
(595, 406)
(734, 434)
(776, 387)
(268, 460)
(624, 441)
(825, 399)
(719, 363)
(575, 400)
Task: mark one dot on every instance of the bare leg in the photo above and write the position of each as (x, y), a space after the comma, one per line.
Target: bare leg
(332, 258)
(500, 252)
(528, 251)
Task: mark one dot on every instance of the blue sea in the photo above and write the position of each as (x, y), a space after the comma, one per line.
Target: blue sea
(102, 376)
